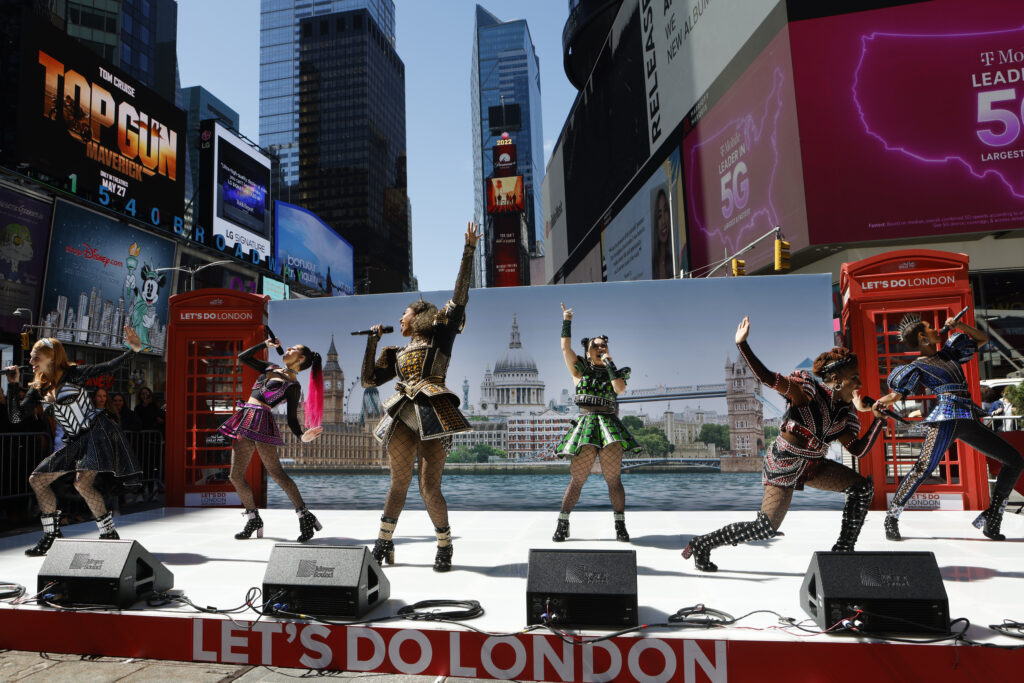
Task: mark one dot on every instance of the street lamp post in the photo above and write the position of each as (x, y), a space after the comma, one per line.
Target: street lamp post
(192, 270)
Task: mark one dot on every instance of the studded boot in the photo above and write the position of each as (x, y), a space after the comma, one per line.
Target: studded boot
(384, 548)
(51, 531)
(562, 530)
(858, 500)
(620, 527)
(892, 524)
(308, 523)
(991, 519)
(105, 522)
(443, 559)
(700, 547)
(253, 523)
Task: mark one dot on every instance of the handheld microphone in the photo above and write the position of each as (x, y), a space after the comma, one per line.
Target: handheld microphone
(271, 335)
(888, 412)
(956, 319)
(387, 329)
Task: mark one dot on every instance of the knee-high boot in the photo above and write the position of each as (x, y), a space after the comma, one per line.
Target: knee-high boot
(738, 532)
(858, 499)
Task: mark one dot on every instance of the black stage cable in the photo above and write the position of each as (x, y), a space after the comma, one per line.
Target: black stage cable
(471, 609)
(1009, 628)
(11, 591)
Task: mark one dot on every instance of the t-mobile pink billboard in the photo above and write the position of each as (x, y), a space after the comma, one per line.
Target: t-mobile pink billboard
(742, 167)
(911, 120)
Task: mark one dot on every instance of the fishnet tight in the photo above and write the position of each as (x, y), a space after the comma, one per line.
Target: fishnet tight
(404, 448)
(241, 454)
(611, 468)
(84, 480)
(831, 476)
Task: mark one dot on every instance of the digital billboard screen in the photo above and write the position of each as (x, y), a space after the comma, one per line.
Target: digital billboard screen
(93, 128)
(311, 254)
(505, 195)
(919, 107)
(236, 201)
(24, 232)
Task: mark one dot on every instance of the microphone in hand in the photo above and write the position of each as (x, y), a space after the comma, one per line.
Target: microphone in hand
(888, 412)
(387, 329)
(271, 335)
(956, 318)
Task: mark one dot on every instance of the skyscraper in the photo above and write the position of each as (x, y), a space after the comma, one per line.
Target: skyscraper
(279, 69)
(506, 72)
(332, 108)
(199, 105)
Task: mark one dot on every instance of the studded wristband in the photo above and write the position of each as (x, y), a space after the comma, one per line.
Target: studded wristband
(613, 372)
(566, 328)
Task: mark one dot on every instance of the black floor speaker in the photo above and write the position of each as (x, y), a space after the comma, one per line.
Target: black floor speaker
(103, 573)
(897, 592)
(323, 580)
(583, 588)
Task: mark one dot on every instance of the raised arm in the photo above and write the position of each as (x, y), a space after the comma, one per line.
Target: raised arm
(973, 332)
(780, 383)
(84, 372)
(567, 352)
(249, 357)
(292, 395)
(461, 295)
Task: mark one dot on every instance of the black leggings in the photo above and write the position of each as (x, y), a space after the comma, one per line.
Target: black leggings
(937, 441)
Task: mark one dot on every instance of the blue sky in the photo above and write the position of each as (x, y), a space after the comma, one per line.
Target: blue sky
(218, 48)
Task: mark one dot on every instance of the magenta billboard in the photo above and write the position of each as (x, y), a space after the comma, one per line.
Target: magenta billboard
(742, 166)
(911, 120)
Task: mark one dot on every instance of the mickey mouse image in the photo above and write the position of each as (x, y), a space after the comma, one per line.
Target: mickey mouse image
(143, 312)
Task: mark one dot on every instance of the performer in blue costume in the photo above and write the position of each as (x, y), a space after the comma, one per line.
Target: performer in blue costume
(955, 417)
(598, 433)
(818, 411)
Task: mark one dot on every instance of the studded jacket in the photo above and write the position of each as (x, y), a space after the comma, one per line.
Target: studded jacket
(942, 374)
(70, 404)
(271, 388)
(422, 369)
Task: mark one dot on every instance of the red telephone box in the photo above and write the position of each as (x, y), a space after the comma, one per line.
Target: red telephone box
(208, 328)
(877, 292)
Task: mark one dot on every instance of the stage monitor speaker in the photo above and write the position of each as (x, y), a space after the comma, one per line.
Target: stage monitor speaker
(115, 573)
(897, 592)
(323, 580)
(583, 588)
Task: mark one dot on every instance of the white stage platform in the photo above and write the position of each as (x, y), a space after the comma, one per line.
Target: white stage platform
(982, 580)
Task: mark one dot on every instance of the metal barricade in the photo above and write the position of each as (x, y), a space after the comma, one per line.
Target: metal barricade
(19, 455)
(148, 446)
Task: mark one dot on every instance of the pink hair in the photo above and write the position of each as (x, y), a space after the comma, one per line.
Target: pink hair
(315, 394)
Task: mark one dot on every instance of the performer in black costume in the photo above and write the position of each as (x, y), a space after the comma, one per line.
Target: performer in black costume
(253, 429)
(93, 444)
(818, 413)
(598, 432)
(955, 416)
(420, 419)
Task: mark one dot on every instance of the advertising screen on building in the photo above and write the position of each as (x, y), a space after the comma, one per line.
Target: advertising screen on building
(235, 203)
(646, 239)
(24, 232)
(507, 250)
(505, 195)
(311, 254)
(94, 129)
(102, 275)
(920, 108)
(503, 156)
(741, 161)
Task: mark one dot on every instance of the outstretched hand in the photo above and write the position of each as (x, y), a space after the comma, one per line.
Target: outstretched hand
(743, 329)
(131, 337)
(566, 313)
(472, 233)
(311, 433)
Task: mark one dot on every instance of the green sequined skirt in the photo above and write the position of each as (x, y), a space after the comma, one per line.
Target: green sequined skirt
(596, 429)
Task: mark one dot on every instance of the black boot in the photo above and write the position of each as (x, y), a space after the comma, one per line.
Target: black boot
(51, 531)
(307, 524)
(858, 500)
(254, 523)
(892, 527)
(620, 527)
(738, 532)
(106, 524)
(443, 559)
(991, 519)
(384, 548)
(562, 530)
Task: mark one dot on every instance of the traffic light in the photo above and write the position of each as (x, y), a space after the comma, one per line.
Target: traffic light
(739, 266)
(26, 341)
(781, 255)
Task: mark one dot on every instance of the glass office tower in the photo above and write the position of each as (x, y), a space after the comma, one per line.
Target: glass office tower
(506, 71)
